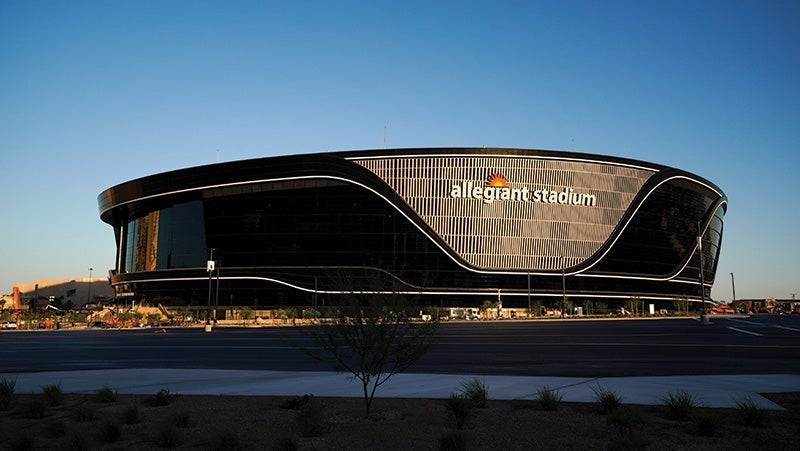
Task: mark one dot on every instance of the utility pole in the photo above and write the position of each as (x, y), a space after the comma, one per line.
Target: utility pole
(704, 315)
(210, 268)
(733, 287)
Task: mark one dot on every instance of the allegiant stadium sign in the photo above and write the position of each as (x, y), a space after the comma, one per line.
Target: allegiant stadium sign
(497, 187)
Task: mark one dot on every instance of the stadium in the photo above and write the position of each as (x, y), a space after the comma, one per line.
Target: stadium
(450, 227)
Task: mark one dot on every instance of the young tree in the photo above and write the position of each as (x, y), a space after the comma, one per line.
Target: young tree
(373, 339)
(246, 313)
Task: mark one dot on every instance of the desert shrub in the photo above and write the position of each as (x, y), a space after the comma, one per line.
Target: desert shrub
(168, 436)
(7, 387)
(55, 429)
(105, 395)
(35, 409)
(475, 390)
(310, 419)
(607, 400)
(131, 414)
(628, 440)
(296, 403)
(160, 399)
(679, 406)
(227, 441)
(461, 407)
(110, 431)
(453, 441)
(548, 399)
(183, 419)
(22, 442)
(83, 414)
(704, 426)
(750, 414)
(52, 394)
(76, 442)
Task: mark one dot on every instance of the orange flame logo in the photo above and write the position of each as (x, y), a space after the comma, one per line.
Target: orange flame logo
(497, 180)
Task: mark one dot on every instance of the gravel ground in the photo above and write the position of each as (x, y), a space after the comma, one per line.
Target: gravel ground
(229, 422)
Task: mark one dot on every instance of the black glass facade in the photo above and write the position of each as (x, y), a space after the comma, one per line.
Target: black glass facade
(283, 233)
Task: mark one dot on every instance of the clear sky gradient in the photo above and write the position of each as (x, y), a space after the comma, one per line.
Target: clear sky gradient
(95, 93)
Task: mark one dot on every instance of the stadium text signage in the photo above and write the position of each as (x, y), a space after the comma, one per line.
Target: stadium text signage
(497, 188)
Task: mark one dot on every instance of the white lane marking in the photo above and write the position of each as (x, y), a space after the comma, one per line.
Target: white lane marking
(745, 331)
(788, 328)
(755, 323)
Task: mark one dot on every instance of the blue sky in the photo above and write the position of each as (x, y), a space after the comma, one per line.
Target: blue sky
(97, 93)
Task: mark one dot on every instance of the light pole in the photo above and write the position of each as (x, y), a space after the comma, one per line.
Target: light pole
(733, 287)
(563, 285)
(210, 268)
(89, 291)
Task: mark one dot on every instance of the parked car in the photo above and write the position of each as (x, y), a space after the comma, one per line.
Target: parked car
(9, 325)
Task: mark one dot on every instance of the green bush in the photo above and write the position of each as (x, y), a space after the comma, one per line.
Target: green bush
(310, 419)
(160, 399)
(679, 406)
(750, 414)
(548, 399)
(52, 394)
(7, 387)
(607, 400)
(453, 441)
(105, 395)
(461, 407)
(476, 391)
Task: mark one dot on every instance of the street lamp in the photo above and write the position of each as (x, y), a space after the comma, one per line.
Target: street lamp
(89, 292)
(563, 285)
(733, 287)
(704, 315)
(210, 268)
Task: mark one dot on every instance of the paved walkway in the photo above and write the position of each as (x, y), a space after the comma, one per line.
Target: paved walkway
(709, 391)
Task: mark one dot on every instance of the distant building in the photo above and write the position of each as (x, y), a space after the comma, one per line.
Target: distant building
(453, 227)
(71, 292)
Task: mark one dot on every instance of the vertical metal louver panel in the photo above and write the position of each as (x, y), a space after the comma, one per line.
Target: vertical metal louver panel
(516, 233)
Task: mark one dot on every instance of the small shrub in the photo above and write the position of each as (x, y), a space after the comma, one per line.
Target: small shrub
(628, 440)
(704, 427)
(131, 415)
(453, 441)
(21, 442)
(168, 436)
(548, 399)
(461, 408)
(475, 390)
(83, 414)
(52, 394)
(105, 395)
(55, 429)
(76, 442)
(160, 399)
(679, 406)
(296, 403)
(227, 441)
(310, 419)
(607, 400)
(35, 409)
(7, 387)
(750, 414)
(110, 431)
(183, 419)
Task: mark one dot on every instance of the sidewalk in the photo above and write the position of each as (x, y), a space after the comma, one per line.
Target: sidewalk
(709, 391)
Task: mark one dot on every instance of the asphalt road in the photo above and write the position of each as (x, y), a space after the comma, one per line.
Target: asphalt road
(579, 348)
